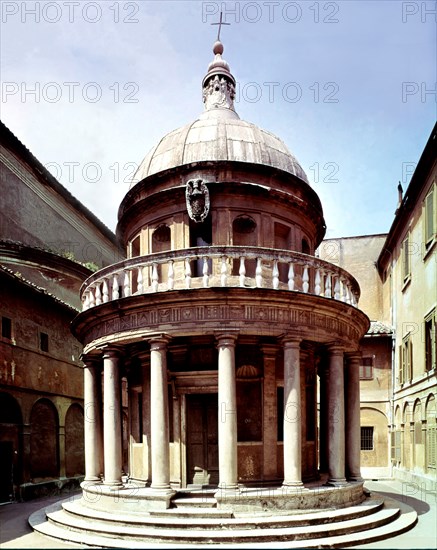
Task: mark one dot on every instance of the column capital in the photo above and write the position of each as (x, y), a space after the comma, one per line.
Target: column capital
(291, 341)
(226, 338)
(158, 341)
(111, 350)
(335, 349)
(90, 361)
(354, 357)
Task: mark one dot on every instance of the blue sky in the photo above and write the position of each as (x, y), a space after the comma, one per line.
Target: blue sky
(347, 85)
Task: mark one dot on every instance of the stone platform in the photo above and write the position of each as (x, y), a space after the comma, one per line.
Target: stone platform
(257, 518)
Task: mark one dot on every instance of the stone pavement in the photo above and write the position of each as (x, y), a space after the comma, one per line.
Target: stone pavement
(16, 533)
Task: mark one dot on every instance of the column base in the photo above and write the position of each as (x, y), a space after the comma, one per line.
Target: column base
(292, 484)
(336, 482)
(116, 483)
(355, 478)
(93, 479)
(227, 490)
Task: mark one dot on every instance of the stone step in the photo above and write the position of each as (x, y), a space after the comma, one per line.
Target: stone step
(400, 523)
(202, 536)
(194, 502)
(212, 518)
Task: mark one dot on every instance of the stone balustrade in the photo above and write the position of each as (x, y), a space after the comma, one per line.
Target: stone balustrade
(220, 266)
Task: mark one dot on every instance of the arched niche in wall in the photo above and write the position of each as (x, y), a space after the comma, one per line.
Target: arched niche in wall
(244, 233)
(305, 247)
(161, 242)
(44, 422)
(74, 441)
(200, 235)
(282, 241)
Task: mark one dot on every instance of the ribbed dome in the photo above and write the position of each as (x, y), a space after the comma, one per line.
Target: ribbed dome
(213, 138)
(218, 134)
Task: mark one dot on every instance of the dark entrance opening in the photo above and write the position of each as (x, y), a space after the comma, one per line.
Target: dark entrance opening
(202, 439)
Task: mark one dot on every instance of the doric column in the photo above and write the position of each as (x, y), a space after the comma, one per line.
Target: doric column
(270, 436)
(323, 414)
(292, 414)
(353, 430)
(112, 416)
(227, 414)
(147, 444)
(159, 414)
(336, 435)
(93, 418)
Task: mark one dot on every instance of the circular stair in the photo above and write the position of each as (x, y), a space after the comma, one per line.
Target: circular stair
(194, 520)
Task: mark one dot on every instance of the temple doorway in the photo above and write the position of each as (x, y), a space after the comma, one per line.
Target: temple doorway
(202, 439)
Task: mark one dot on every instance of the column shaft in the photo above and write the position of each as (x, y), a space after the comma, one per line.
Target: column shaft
(336, 425)
(147, 445)
(159, 414)
(93, 420)
(292, 415)
(353, 430)
(227, 400)
(112, 417)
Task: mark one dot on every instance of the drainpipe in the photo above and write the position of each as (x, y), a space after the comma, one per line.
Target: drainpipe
(393, 359)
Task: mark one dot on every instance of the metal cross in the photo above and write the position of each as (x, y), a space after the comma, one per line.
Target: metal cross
(220, 23)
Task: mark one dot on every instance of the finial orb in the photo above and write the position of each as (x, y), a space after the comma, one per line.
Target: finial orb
(218, 47)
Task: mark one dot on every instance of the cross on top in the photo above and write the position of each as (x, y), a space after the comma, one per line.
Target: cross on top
(220, 23)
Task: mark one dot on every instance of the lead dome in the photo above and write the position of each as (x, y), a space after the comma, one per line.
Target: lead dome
(218, 134)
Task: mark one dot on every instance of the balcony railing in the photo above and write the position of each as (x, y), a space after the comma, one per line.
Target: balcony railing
(220, 266)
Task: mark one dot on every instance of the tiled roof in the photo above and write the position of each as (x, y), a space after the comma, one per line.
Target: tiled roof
(376, 327)
(18, 277)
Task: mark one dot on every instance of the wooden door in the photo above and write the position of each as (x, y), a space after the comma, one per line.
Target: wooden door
(202, 439)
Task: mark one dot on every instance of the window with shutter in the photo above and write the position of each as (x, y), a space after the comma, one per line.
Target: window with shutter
(406, 263)
(430, 217)
(430, 342)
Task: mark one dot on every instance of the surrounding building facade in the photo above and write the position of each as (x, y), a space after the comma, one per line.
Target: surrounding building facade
(407, 265)
(398, 281)
(49, 244)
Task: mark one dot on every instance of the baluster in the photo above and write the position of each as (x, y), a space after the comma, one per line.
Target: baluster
(328, 285)
(91, 302)
(322, 282)
(305, 280)
(337, 288)
(291, 277)
(275, 275)
(115, 289)
(348, 294)
(187, 273)
(105, 291)
(317, 283)
(126, 285)
(242, 271)
(140, 280)
(85, 303)
(259, 273)
(354, 299)
(170, 275)
(344, 297)
(223, 271)
(155, 277)
(98, 295)
(205, 272)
